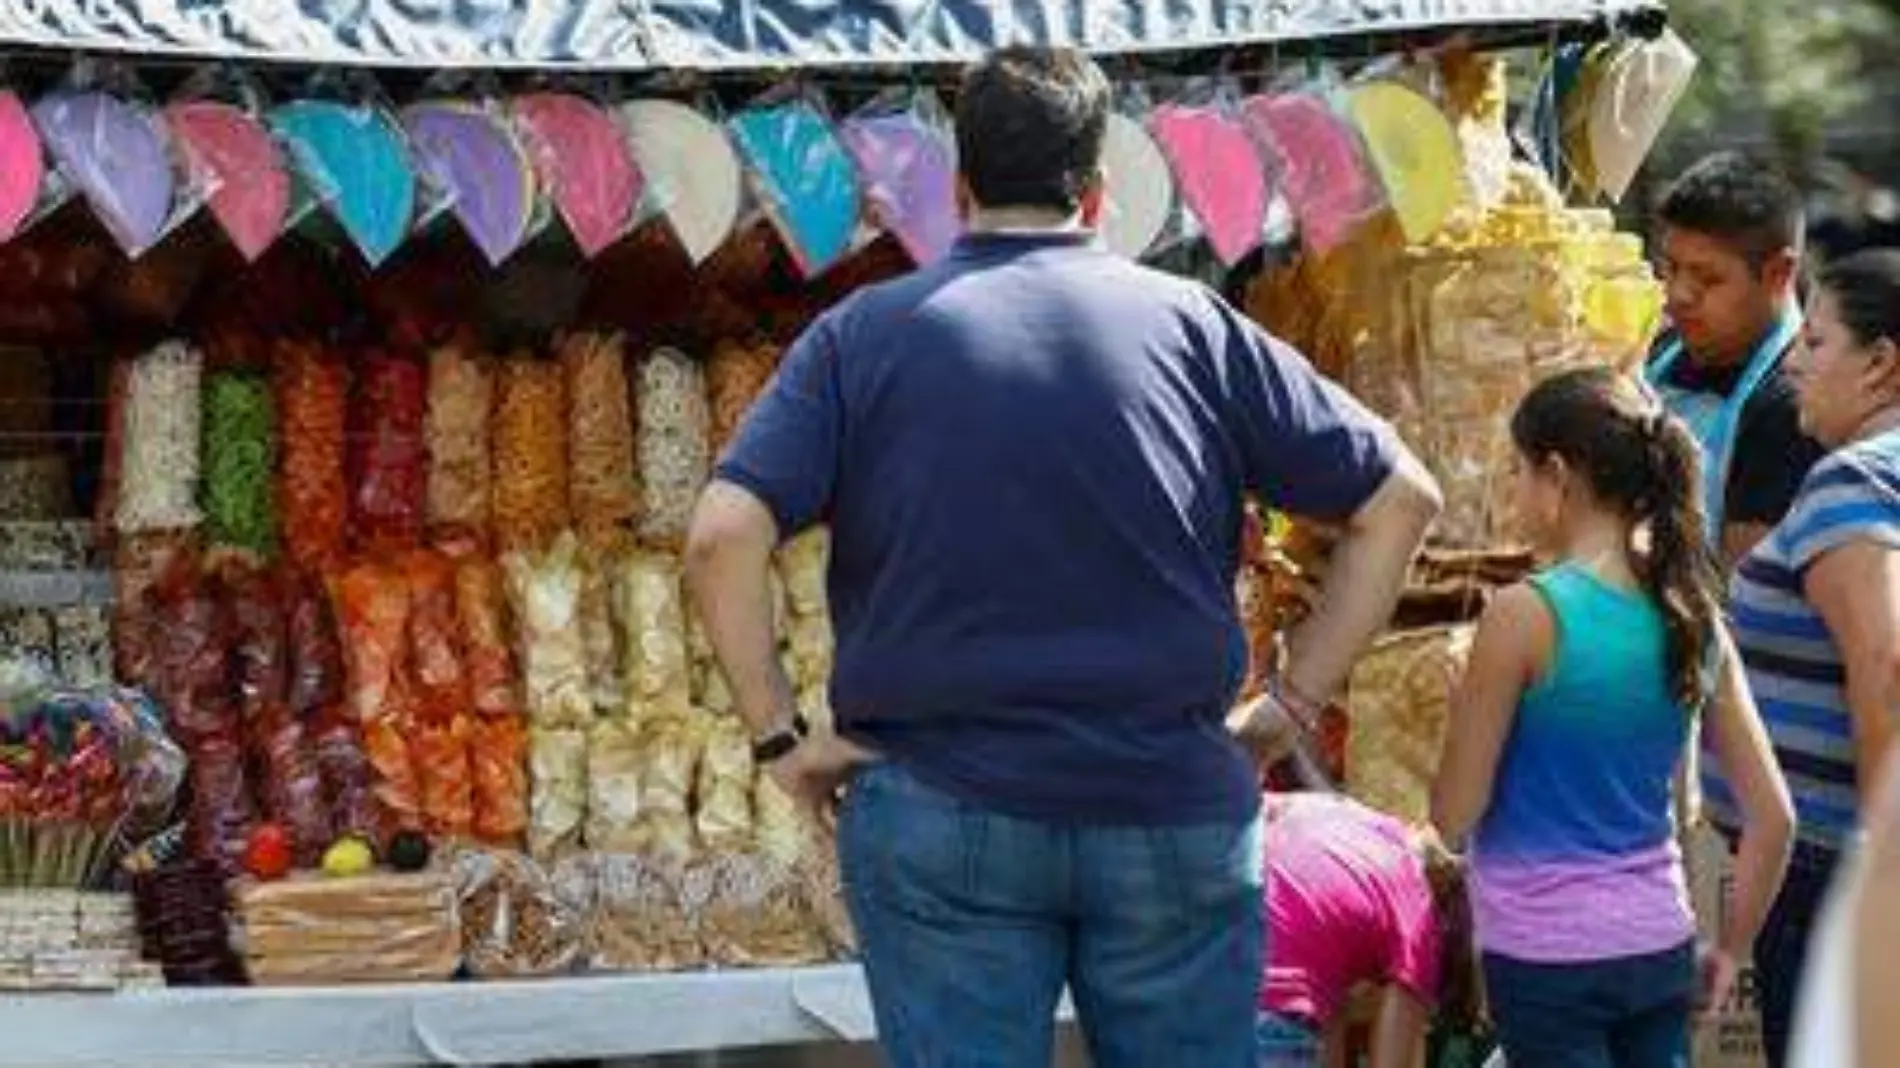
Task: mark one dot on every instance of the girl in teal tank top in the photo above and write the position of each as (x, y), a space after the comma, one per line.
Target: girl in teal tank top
(1583, 691)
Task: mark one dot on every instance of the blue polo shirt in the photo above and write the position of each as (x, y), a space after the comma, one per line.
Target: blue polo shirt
(1032, 456)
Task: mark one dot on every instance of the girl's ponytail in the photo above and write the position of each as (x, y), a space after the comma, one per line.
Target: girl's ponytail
(1679, 568)
(1642, 462)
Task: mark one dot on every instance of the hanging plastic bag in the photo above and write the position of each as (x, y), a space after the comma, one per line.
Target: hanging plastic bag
(481, 613)
(372, 608)
(443, 760)
(905, 151)
(316, 652)
(531, 468)
(1414, 150)
(675, 448)
(440, 688)
(736, 375)
(240, 450)
(498, 766)
(461, 466)
(545, 592)
(260, 653)
(693, 177)
(345, 774)
(313, 400)
(352, 157)
(1138, 186)
(29, 190)
(217, 119)
(389, 459)
(291, 784)
(159, 456)
(106, 138)
(582, 164)
(651, 612)
(192, 670)
(466, 146)
(802, 175)
(603, 488)
(1316, 157)
(222, 809)
(1216, 168)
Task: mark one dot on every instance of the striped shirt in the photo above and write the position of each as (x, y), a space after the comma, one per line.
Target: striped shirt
(1794, 666)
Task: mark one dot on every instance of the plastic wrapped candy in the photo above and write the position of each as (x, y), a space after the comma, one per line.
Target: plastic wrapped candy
(545, 591)
(673, 749)
(260, 653)
(600, 639)
(517, 920)
(651, 613)
(481, 612)
(724, 816)
(645, 916)
(291, 786)
(461, 467)
(675, 448)
(389, 457)
(222, 811)
(531, 471)
(614, 762)
(395, 781)
(557, 775)
(440, 687)
(735, 376)
(757, 915)
(600, 439)
(498, 765)
(313, 397)
(1415, 151)
(159, 461)
(191, 673)
(372, 607)
(139, 561)
(1400, 697)
(345, 773)
(240, 452)
(316, 651)
(441, 754)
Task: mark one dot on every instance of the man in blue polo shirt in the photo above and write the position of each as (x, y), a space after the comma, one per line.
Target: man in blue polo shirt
(1033, 457)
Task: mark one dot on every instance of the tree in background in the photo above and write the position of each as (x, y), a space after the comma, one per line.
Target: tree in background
(1777, 73)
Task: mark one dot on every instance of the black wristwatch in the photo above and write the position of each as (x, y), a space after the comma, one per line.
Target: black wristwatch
(780, 741)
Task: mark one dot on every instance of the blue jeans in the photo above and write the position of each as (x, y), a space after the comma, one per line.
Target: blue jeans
(1627, 1013)
(970, 923)
(1286, 1043)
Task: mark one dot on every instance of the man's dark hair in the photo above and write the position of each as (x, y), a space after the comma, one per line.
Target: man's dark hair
(1030, 123)
(1744, 202)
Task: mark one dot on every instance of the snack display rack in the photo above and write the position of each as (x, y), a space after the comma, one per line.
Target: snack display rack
(387, 411)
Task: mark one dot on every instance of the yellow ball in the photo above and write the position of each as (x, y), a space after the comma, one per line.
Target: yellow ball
(348, 856)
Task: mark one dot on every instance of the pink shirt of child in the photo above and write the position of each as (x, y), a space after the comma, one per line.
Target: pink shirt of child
(1347, 902)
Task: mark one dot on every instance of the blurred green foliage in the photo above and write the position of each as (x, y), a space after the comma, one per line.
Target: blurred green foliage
(1780, 71)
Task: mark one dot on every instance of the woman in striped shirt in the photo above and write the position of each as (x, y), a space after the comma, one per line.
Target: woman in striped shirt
(1816, 607)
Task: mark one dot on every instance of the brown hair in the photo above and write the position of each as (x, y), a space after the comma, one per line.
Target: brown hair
(1460, 977)
(1642, 462)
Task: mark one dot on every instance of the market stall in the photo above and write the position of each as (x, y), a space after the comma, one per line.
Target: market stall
(350, 422)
